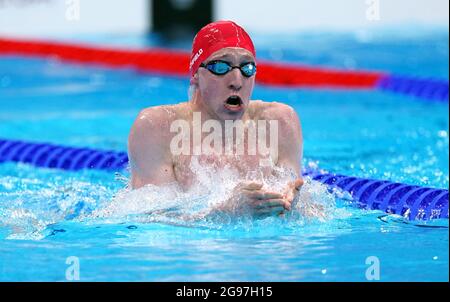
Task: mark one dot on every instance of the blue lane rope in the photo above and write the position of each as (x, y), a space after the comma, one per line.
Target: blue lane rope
(410, 201)
(428, 89)
(59, 157)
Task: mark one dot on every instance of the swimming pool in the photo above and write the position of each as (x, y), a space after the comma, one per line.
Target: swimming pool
(48, 216)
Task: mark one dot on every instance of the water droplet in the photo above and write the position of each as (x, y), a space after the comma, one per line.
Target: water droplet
(442, 134)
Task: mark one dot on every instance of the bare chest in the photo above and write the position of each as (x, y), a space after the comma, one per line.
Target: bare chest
(188, 168)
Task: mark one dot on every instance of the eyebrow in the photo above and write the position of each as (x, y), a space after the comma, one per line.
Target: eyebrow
(227, 56)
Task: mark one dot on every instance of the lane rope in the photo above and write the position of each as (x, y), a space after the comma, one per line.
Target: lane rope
(176, 63)
(410, 201)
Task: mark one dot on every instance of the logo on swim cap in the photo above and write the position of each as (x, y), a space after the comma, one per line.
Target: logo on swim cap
(197, 55)
(214, 37)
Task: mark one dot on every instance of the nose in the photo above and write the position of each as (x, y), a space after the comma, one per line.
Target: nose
(235, 80)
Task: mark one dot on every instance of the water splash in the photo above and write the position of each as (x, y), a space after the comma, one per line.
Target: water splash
(29, 206)
(197, 206)
(32, 199)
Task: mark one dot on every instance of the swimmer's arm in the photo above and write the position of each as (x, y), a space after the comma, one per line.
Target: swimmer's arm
(290, 150)
(290, 146)
(150, 157)
(290, 156)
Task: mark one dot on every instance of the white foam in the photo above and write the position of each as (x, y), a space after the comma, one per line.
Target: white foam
(213, 187)
(31, 206)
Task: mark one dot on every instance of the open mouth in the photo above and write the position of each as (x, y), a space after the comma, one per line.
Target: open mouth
(234, 103)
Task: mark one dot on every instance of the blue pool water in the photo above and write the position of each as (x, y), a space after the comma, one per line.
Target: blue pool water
(48, 215)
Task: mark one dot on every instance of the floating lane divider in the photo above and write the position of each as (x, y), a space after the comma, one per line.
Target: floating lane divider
(60, 157)
(170, 62)
(429, 89)
(176, 63)
(413, 202)
(410, 201)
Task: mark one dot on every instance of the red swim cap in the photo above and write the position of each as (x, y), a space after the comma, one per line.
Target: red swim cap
(214, 37)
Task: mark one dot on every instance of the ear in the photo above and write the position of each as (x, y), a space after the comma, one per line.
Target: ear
(194, 80)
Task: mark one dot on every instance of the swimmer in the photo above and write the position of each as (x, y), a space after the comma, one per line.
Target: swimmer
(223, 71)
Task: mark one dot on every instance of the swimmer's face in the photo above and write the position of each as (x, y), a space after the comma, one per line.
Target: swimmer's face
(226, 96)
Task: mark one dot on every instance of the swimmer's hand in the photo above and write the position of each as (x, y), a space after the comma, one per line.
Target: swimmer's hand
(250, 198)
(293, 188)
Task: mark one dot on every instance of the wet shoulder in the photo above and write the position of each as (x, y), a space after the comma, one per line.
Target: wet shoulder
(157, 120)
(160, 115)
(271, 110)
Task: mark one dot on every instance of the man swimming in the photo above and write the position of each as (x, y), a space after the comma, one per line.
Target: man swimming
(223, 70)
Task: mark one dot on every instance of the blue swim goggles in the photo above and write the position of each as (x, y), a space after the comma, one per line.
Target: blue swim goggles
(222, 67)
